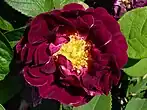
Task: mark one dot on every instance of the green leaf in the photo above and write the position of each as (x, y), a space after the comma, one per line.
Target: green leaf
(65, 107)
(134, 26)
(139, 87)
(61, 3)
(97, 103)
(1, 107)
(31, 7)
(15, 35)
(5, 25)
(9, 87)
(137, 70)
(5, 56)
(137, 104)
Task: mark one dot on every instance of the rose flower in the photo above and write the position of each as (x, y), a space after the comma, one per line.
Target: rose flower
(72, 54)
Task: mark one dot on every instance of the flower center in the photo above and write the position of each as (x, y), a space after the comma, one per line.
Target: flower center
(77, 51)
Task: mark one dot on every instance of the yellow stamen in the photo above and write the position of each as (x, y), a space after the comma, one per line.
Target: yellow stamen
(77, 51)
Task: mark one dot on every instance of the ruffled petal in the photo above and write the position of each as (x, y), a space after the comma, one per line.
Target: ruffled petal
(54, 92)
(90, 10)
(73, 6)
(24, 53)
(34, 81)
(108, 20)
(91, 83)
(89, 19)
(99, 34)
(64, 31)
(54, 48)
(30, 55)
(35, 72)
(38, 30)
(71, 80)
(119, 54)
(60, 40)
(42, 54)
(62, 60)
(49, 67)
(106, 82)
(81, 26)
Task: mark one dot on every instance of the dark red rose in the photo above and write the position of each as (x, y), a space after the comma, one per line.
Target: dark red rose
(73, 54)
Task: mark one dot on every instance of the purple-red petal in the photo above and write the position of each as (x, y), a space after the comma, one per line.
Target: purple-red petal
(60, 40)
(34, 81)
(38, 30)
(42, 54)
(73, 6)
(35, 72)
(63, 61)
(54, 92)
(89, 19)
(54, 48)
(49, 67)
(99, 34)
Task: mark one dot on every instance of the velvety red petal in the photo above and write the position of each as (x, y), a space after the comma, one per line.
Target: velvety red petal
(89, 19)
(109, 63)
(55, 12)
(71, 80)
(81, 26)
(90, 9)
(38, 30)
(65, 31)
(120, 55)
(19, 45)
(62, 60)
(99, 34)
(74, 14)
(106, 82)
(35, 72)
(31, 50)
(91, 83)
(73, 6)
(24, 53)
(108, 20)
(60, 40)
(96, 54)
(54, 92)
(41, 55)
(49, 67)
(65, 71)
(54, 48)
(34, 81)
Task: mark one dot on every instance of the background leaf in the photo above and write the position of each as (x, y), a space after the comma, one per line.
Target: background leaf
(137, 70)
(5, 56)
(137, 104)
(1, 107)
(138, 88)
(5, 25)
(31, 7)
(98, 102)
(134, 27)
(15, 35)
(65, 107)
(9, 87)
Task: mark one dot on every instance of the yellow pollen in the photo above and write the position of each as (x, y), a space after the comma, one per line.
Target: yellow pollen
(77, 51)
